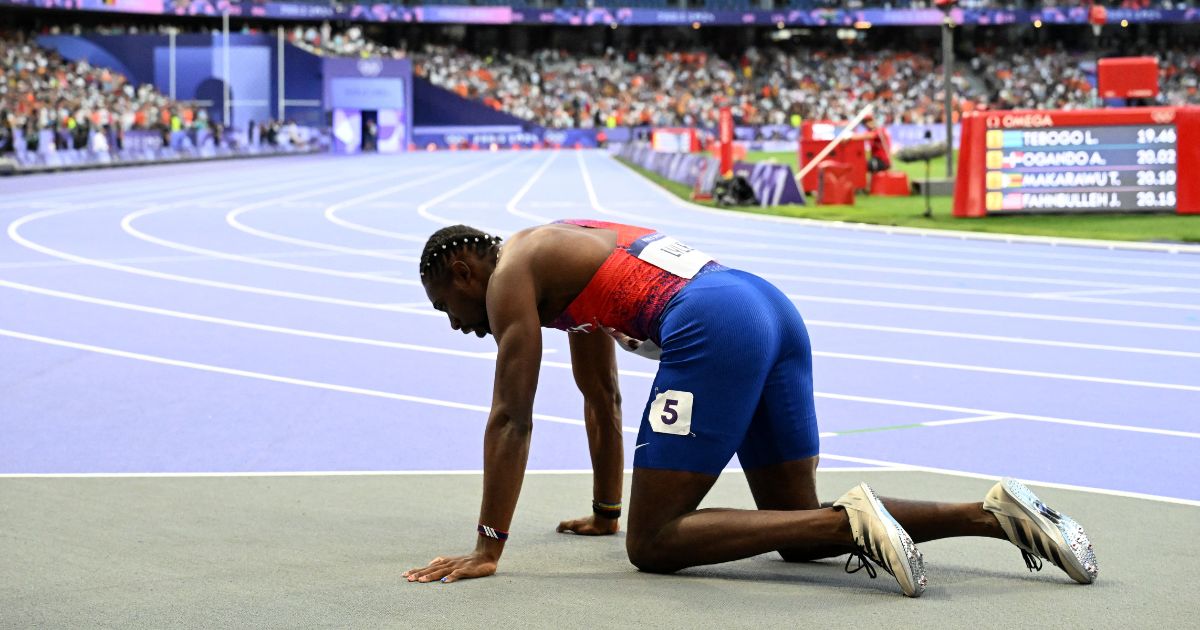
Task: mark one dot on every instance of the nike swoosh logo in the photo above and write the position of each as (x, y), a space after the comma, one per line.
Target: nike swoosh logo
(639, 446)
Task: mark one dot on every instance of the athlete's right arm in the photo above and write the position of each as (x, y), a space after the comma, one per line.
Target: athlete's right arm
(594, 363)
(513, 317)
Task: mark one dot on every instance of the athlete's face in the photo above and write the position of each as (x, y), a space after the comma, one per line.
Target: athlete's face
(461, 294)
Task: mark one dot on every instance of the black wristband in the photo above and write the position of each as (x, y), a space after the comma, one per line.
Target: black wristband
(606, 510)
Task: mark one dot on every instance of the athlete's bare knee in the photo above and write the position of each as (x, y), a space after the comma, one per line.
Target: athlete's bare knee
(647, 556)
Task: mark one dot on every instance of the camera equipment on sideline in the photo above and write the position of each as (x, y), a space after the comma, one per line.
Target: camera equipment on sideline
(735, 191)
(922, 152)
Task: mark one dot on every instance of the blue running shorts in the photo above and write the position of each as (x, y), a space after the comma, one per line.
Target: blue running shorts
(735, 376)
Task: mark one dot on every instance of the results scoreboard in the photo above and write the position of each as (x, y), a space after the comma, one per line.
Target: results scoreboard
(1119, 160)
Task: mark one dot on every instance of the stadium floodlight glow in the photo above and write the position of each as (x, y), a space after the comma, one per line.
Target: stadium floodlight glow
(1124, 23)
(862, 25)
(1037, 24)
(779, 25)
(612, 25)
(695, 26)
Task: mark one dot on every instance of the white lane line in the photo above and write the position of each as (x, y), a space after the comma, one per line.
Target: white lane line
(1006, 414)
(899, 467)
(511, 206)
(92, 194)
(15, 234)
(819, 323)
(1052, 241)
(275, 378)
(233, 220)
(163, 259)
(127, 226)
(912, 425)
(964, 275)
(423, 209)
(968, 420)
(964, 261)
(994, 313)
(1018, 295)
(364, 473)
(895, 468)
(331, 212)
(1007, 371)
(1131, 290)
(235, 323)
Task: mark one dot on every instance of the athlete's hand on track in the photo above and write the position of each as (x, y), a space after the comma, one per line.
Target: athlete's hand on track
(453, 569)
(590, 526)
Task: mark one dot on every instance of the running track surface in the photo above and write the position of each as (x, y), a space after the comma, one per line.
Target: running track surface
(266, 316)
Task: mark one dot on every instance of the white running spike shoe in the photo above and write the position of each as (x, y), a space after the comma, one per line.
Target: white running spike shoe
(1041, 532)
(882, 540)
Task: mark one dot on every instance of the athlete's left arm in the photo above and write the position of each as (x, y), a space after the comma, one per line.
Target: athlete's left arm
(512, 314)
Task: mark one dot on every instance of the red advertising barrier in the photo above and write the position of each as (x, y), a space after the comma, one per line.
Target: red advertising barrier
(1138, 159)
(850, 152)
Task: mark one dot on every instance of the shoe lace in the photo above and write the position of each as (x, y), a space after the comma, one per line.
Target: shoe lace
(1032, 562)
(864, 562)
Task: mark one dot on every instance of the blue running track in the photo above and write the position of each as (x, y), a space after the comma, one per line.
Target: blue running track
(265, 315)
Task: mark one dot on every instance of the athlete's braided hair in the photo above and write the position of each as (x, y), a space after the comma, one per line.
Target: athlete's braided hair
(449, 240)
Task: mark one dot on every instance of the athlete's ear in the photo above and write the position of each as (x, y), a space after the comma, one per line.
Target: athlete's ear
(460, 271)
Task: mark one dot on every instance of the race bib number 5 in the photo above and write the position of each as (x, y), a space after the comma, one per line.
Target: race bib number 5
(670, 255)
(671, 412)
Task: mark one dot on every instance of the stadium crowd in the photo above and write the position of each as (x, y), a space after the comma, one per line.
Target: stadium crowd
(47, 102)
(771, 86)
(81, 105)
(348, 43)
(681, 88)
